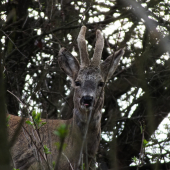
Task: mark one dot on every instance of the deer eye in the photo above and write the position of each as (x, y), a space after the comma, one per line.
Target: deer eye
(77, 83)
(101, 84)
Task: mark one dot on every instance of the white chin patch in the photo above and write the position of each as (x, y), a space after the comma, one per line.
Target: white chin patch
(86, 107)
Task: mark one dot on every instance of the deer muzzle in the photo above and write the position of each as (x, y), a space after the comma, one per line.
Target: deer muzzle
(86, 101)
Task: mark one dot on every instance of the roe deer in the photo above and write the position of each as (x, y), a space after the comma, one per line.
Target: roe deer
(88, 80)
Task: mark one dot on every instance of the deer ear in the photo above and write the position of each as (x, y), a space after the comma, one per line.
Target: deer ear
(109, 66)
(68, 63)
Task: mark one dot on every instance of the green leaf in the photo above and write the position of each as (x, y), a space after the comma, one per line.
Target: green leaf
(46, 149)
(38, 117)
(53, 164)
(141, 129)
(29, 122)
(83, 166)
(145, 142)
(33, 114)
(7, 120)
(134, 158)
(62, 131)
(43, 123)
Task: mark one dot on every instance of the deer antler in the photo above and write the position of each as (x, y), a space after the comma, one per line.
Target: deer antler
(98, 49)
(84, 57)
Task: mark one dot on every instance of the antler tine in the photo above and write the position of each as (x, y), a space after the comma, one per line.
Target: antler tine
(98, 49)
(84, 57)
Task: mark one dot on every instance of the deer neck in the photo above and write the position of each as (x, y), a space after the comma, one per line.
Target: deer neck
(80, 121)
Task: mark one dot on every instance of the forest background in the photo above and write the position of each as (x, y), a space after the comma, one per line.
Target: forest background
(137, 97)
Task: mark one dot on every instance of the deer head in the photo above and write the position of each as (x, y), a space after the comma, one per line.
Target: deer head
(88, 78)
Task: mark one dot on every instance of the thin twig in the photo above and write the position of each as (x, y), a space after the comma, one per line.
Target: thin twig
(38, 149)
(58, 94)
(68, 161)
(13, 44)
(11, 143)
(16, 98)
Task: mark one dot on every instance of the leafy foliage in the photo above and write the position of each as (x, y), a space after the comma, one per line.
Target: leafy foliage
(46, 149)
(62, 131)
(37, 121)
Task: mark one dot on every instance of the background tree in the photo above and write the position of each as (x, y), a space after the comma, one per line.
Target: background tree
(137, 96)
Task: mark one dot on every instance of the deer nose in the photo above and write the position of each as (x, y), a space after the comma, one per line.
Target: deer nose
(86, 101)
